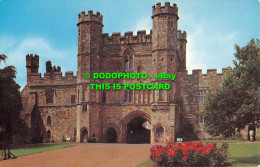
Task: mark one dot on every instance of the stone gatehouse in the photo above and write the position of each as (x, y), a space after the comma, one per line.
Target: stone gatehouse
(57, 107)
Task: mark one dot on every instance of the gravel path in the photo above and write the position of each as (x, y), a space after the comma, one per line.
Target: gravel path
(85, 155)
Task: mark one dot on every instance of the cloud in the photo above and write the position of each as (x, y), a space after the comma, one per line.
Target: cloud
(16, 51)
(208, 48)
(144, 23)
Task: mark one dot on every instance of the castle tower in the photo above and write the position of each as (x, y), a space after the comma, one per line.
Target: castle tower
(165, 60)
(32, 65)
(164, 47)
(89, 43)
(89, 52)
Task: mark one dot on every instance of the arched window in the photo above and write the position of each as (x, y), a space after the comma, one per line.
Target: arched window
(129, 95)
(48, 134)
(49, 120)
(126, 96)
(126, 63)
(49, 94)
(128, 59)
(131, 63)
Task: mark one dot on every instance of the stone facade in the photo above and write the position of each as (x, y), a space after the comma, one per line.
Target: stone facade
(57, 107)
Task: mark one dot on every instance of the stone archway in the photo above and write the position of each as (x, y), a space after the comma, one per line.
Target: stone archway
(111, 133)
(83, 135)
(159, 133)
(132, 129)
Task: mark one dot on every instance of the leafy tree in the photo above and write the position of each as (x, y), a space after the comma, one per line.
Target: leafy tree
(237, 103)
(10, 99)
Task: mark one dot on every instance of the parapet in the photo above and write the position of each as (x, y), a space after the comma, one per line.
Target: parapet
(32, 60)
(82, 17)
(54, 78)
(210, 72)
(182, 35)
(128, 37)
(167, 9)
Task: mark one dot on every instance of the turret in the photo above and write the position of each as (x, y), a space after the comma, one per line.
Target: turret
(182, 45)
(89, 42)
(164, 47)
(32, 65)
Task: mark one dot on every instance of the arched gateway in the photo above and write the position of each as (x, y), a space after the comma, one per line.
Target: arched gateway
(133, 130)
(84, 135)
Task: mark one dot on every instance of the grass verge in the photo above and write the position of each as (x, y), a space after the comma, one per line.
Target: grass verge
(32, 149)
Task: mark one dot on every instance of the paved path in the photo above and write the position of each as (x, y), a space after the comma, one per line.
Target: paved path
(85, 155)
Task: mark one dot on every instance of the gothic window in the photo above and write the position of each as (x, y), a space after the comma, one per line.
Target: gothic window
(49, 120)
(200, 96)
(129, 95)
(126, 96)
(49, 94)
(48, 134)
(131, 62)
(128, 59)
(84, 109)
(73, 99)
(126, 63)
(104, 97)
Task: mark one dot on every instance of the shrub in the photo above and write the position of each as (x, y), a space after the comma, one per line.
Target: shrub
(91, 140)
(189, 154)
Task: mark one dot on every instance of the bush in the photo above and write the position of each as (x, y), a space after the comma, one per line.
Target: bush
(189, 154)
(91, 140)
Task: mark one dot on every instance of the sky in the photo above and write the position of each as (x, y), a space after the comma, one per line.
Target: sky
(48, 28)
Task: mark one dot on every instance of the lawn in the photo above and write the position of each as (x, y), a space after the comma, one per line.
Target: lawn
(241, 154)
(32, 149)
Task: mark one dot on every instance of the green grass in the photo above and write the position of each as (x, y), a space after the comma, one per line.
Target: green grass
(241, 154)
(26, 150)
(245, 154)
(219, 141)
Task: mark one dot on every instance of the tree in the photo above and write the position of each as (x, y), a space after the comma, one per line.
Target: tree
(237, 103)
(10, 99)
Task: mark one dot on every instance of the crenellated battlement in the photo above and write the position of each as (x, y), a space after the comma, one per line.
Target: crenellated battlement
(167, 9)
(82, 17)
(210, 72)
(128, 37)
(182, 35)
(32, 60)
(53, 78)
